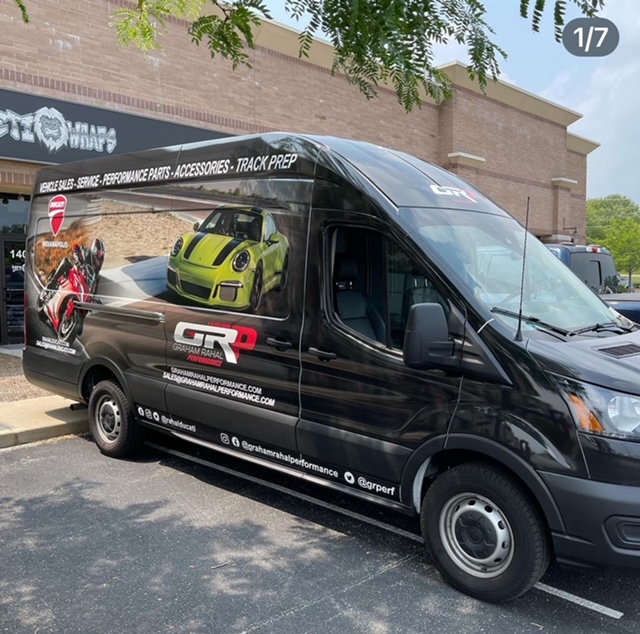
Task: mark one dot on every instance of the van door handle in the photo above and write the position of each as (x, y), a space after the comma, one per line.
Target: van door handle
(323, 355)
(279, 344)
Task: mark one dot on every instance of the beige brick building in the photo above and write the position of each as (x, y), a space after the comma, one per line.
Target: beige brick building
(509, 143)
(68, 92)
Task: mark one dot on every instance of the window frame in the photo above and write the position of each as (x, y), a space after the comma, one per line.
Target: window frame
(329, 256)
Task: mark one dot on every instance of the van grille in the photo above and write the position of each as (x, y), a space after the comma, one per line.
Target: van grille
(626, 350)
(195, 289)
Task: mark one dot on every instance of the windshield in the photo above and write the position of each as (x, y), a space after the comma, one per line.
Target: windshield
(234, 223)
(485, 252)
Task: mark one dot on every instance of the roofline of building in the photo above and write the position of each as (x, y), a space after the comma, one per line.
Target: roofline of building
(581, 145)
(512, 96)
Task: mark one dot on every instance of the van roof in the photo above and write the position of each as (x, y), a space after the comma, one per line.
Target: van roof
(580, 248)
(403, 179)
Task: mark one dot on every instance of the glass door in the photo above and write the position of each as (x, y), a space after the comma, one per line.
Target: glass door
(12, 252)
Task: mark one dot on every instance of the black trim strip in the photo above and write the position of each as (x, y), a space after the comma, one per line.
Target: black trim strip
(287, 470)
(147, 315)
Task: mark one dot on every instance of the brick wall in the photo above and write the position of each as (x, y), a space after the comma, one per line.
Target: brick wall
(69, 52)
(17, 177)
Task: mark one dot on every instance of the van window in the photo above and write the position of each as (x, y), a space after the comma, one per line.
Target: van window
(468, 246)
(375, 283)
(588, 268)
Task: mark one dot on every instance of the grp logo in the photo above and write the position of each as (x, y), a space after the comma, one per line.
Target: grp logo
(455, 192)
(230, 339)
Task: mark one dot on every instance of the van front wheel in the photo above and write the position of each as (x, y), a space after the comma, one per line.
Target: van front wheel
(111, 421)
(485, 537)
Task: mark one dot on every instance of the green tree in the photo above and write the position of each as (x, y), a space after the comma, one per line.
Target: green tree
(375, 41)
(602, 212)
(614, 222)
(623, 240)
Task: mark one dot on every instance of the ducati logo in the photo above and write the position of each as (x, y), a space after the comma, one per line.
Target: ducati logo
(57, 207)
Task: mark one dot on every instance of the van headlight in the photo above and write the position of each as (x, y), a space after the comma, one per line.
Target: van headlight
(598, 410)
(177, 247)
(241, 261)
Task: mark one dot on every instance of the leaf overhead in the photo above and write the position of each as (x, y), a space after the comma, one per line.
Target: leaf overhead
(376, 42)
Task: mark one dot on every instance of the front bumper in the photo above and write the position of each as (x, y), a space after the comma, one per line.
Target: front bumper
(602, 522)
(211, 290)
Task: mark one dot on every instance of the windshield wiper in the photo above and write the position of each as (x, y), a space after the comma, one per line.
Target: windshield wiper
(608, 325)
(532, 319)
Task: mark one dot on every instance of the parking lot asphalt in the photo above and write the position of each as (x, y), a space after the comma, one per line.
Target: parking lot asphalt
(185, 540)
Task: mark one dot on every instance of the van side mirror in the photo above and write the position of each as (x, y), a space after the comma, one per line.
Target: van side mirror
(427, 344)
(196, 226)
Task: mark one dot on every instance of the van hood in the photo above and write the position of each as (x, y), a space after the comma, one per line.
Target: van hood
(611, 362)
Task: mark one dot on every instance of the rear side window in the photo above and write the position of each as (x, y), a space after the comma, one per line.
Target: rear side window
(588, 268)
(596, 270)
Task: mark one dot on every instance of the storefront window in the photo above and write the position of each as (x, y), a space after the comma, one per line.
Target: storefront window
(13, 215)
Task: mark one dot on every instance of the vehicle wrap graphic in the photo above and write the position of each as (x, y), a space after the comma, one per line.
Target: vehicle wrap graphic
(222, 387)
(242, 165)
(231, 260)
(69, 281)
(100, 265)
(57, 207)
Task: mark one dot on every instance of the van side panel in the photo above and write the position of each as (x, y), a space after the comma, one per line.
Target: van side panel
(530, 418)
(233, 353)
(362, 407)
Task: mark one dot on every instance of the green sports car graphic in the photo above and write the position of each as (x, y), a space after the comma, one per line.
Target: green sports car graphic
(231, 260)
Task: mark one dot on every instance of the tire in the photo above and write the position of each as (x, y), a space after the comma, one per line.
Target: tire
(486, 538)
(69, 327)
(111, 421)
(256, 291)
(284, 274)
(97, 255)
(41, 302)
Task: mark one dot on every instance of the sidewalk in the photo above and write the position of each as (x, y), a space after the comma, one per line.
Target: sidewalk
(39, 419)
(31, 419)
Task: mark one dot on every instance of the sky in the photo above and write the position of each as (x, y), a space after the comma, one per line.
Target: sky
(605, 90)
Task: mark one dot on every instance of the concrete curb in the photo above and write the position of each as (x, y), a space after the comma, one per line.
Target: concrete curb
(42, 418)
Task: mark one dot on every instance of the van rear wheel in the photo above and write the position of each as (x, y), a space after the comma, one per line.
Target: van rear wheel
(111, 421)
(485, 537)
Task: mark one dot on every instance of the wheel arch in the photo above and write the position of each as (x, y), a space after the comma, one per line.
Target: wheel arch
(100, 369)
(441, 453)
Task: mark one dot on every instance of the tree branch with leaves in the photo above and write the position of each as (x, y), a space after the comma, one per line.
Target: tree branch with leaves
(375, 42)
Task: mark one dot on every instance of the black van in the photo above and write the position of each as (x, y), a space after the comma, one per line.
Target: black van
(592, 263)
(331, 309)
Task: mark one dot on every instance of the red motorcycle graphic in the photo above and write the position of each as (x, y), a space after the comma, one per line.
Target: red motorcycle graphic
(74, 281)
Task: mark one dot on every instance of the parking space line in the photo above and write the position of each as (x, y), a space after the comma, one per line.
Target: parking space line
(567, 596)
(585, 603)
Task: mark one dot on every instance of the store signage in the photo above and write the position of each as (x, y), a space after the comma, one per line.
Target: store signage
(36, 128)
(49, 127)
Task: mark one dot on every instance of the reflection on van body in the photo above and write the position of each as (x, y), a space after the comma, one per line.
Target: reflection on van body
(356, 317)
